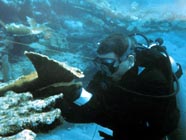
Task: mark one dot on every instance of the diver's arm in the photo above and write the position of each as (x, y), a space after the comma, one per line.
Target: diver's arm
(87, 106)
(84, 109)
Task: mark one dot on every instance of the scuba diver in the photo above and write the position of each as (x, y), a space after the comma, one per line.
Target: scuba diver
(133, 93)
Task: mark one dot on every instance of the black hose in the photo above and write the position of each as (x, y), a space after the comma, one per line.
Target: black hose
(146, 39)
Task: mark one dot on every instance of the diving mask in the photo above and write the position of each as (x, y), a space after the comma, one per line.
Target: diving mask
(107, 65)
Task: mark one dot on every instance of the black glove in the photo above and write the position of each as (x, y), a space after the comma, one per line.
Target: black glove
(71, 90)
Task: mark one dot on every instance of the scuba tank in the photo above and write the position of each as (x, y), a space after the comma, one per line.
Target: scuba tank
(143, 42)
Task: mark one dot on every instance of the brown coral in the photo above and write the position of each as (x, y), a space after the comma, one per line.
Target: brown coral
(48, 71)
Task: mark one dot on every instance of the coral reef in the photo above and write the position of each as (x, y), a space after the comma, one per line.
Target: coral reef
(22, 30)
(20, 111)
(63, 25)
(49, 71)
(23, 135)
(104, 12)
(54, 40)
(17, 29)
(6, 69)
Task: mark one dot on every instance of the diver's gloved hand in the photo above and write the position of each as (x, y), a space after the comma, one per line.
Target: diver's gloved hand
(71, 90)
(74, 92)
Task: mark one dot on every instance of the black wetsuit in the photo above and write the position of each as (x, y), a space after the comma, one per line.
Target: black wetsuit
(130, 115)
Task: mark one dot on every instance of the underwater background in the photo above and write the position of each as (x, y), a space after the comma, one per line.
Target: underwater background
(70, 30)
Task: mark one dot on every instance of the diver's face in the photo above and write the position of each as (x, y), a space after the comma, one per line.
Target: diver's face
(107, 63)
(111, 65)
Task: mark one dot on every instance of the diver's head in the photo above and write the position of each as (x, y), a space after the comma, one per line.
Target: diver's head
(115, 55)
